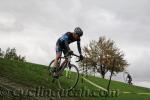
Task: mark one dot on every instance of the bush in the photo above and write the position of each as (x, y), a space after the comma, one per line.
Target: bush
(11, 54)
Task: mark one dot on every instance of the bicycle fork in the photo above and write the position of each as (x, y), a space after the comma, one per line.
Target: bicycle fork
(68, 72)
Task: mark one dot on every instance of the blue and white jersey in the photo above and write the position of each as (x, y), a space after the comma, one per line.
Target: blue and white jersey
(68, 38)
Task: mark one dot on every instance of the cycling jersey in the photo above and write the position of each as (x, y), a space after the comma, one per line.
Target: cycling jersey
(64, 41)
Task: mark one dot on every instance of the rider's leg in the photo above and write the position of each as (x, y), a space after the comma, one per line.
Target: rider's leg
(60, 47)
(65, 51)
(56, 62)
(57, 58)
(56, 65)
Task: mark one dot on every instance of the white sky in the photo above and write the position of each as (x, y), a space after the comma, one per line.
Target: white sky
(33, 27)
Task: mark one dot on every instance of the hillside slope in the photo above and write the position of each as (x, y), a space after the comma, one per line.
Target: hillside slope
(17, 76)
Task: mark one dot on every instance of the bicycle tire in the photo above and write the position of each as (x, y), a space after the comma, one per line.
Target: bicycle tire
(74, 77)
(49, 66)
(59, 79)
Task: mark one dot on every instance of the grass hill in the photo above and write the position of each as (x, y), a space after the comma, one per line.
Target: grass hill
(17, 76)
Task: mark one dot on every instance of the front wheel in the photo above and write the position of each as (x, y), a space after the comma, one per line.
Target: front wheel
(69, 78)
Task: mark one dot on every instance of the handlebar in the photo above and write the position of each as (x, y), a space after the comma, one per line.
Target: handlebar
(77, 56)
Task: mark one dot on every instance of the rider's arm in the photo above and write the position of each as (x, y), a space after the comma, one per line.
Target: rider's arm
(79, 47)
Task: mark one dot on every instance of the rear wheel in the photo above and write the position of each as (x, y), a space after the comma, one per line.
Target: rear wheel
(50, 67)
(125, 74)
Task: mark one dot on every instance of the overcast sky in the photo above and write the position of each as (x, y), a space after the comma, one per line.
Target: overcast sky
(33, 27)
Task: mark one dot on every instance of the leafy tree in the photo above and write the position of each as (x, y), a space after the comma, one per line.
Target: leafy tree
(1, 53)
(100, 55)
(11, 54)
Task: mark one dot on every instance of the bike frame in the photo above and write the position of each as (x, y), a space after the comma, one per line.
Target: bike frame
(66, 63)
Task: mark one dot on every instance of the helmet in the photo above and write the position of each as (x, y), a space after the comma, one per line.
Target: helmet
(78, 31)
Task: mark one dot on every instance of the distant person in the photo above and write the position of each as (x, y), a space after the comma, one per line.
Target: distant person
(129, 79)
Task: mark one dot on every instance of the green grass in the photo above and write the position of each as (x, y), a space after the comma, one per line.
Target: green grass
(33, 75)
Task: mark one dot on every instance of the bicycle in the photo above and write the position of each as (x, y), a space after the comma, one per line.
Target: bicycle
(68, 74)
(127, 79)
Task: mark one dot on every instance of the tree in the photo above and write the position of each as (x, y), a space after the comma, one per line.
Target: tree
(11, 54)
(1, 53)
(100, 55)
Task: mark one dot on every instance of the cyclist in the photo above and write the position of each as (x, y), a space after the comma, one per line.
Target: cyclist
(129, 78)
(62, 45)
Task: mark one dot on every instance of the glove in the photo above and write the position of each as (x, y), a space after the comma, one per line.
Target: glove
(70, 52)
(81, 57)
